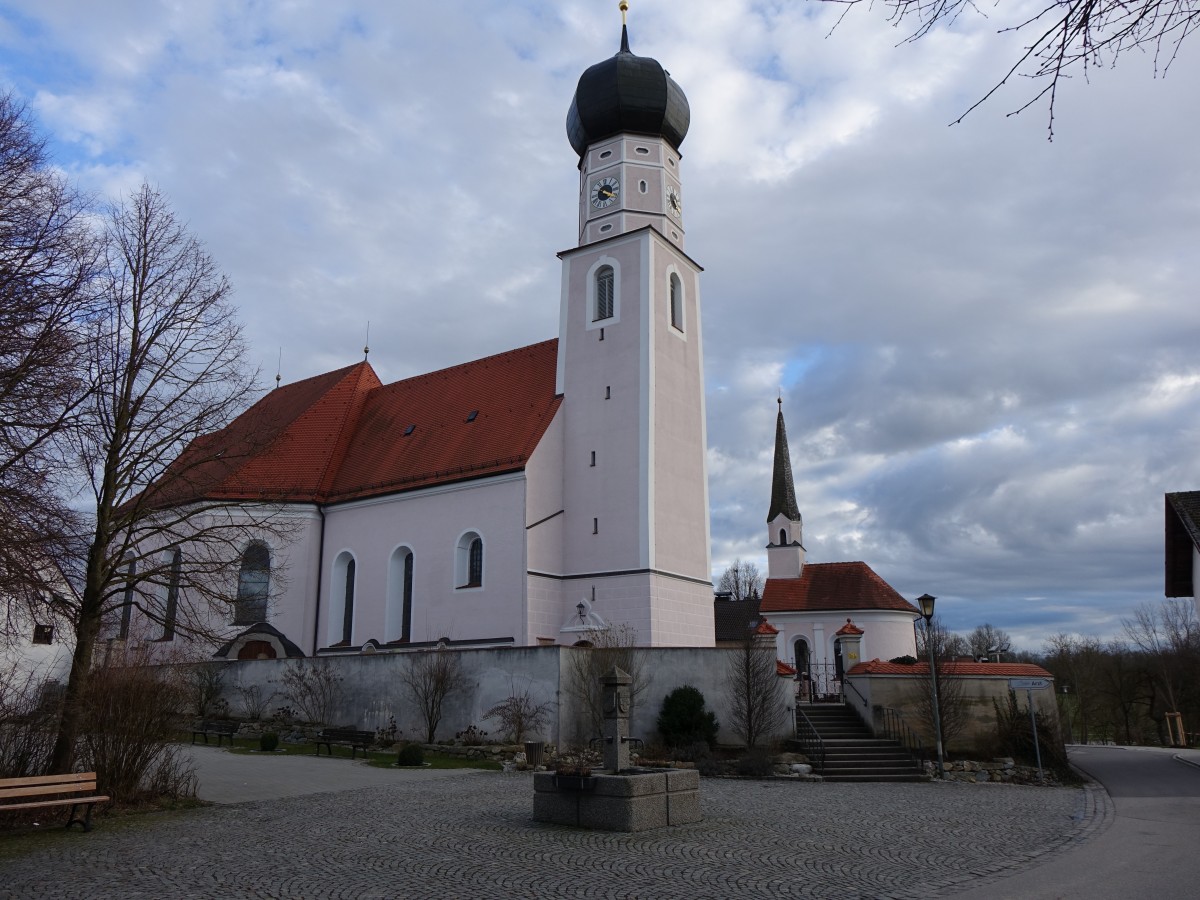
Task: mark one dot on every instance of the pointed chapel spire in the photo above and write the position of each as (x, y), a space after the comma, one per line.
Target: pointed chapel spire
(783, 489)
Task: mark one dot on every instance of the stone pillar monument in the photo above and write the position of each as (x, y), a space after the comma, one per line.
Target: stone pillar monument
(615, 688)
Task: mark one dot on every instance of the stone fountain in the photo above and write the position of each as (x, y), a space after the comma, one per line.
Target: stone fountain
(620, 797)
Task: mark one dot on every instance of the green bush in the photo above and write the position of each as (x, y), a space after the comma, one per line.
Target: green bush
(684, 721)
(268, 741)
(905, 660)
(411, 755)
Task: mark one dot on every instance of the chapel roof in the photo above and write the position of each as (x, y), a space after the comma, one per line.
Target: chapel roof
(345, 435)
(1182, 536)
(627, 94)
(834, 586)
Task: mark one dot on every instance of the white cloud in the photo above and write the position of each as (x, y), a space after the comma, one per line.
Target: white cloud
(985, 340)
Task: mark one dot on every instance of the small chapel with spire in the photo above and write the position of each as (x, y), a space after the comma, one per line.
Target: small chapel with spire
(812, 606)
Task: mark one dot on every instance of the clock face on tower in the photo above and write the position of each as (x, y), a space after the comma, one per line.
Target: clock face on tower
(605, 191)
(674, 204)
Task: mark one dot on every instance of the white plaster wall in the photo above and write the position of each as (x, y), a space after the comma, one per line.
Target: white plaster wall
(431, 522)
(294, 555)
(23, 661)
(886, 633)
(371, 691)
(680, 483)
(1196, 577)
(610, 492)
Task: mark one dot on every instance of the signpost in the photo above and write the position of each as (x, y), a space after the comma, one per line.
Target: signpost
(1029, 685)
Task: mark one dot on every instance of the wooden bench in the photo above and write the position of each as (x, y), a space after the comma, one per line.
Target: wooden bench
(26, 792)
(223, 730)
(346, 737)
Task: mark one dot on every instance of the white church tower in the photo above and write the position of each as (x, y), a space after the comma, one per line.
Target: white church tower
(630, 367)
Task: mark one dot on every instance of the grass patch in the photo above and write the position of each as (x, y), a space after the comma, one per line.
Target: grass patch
(380, 758)
(435, 760)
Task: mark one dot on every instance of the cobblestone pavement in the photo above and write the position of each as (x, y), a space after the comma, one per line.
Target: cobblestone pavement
(472, 836)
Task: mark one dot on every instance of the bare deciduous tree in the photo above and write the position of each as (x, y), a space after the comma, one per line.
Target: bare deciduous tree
(520, 714)
(1064, 37)
(1169, 636)
(606, 648)
(430, 678)
(313, 687)
(741, 580)
(988, 640)
(46, 260)
(952, 701)
(167, 374)
(754, 691)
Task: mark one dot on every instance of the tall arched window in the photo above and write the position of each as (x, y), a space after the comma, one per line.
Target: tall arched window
(172, 611)
(398, 619)
(254, 585)
(605, 293)
(783, 537)
(676, 302)
(341, 606)
(127, 601)
(468, 563)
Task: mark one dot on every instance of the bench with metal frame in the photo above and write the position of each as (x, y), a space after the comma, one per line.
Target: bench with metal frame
(29, 791)
(222, 729)
(345, 737)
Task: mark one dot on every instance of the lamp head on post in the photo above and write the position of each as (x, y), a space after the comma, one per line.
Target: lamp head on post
(582, 612)
(925, 604)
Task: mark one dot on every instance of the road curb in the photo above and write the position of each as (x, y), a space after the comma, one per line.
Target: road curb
(1194, 763)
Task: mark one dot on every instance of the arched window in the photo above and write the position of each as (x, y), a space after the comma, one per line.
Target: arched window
(605, 294)
(398, 621)
(468, 564)
(783, 537)
(676, 302)
(254, 585)
(172, 611)
(341, 607)
(127, 601)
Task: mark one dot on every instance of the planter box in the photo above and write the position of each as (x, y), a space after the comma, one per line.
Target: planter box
(575, 782)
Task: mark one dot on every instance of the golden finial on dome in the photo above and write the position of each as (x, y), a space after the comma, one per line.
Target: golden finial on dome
(624, 7)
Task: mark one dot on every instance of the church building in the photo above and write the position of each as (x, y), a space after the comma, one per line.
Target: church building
(522, 499)
(813, 606)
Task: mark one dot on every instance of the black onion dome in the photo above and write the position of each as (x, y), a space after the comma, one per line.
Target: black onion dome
(627, 93)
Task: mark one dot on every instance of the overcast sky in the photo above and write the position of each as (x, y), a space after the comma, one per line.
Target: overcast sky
(987, 342)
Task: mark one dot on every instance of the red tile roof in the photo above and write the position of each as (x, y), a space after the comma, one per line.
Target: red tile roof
(849, 628)
(1006, 670)
(832, 586)
(782, 668)
(765, 627)
(341, 435)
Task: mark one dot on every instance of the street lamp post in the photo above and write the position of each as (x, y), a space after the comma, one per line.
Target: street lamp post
(925, 602)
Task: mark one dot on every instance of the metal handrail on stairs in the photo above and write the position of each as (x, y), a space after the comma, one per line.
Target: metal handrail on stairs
(891, 725)
(810, 740)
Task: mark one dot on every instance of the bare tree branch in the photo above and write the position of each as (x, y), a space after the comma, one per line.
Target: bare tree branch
(1065, 36)
(167, 372)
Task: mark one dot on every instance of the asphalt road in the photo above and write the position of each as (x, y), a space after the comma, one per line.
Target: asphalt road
(1149, 850)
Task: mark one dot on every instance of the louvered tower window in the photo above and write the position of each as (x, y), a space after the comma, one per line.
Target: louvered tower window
(604, 293)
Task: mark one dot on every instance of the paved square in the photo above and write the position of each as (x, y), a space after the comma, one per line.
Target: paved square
(470, 834)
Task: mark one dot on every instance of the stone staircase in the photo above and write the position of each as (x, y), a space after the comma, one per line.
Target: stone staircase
(852, 752)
